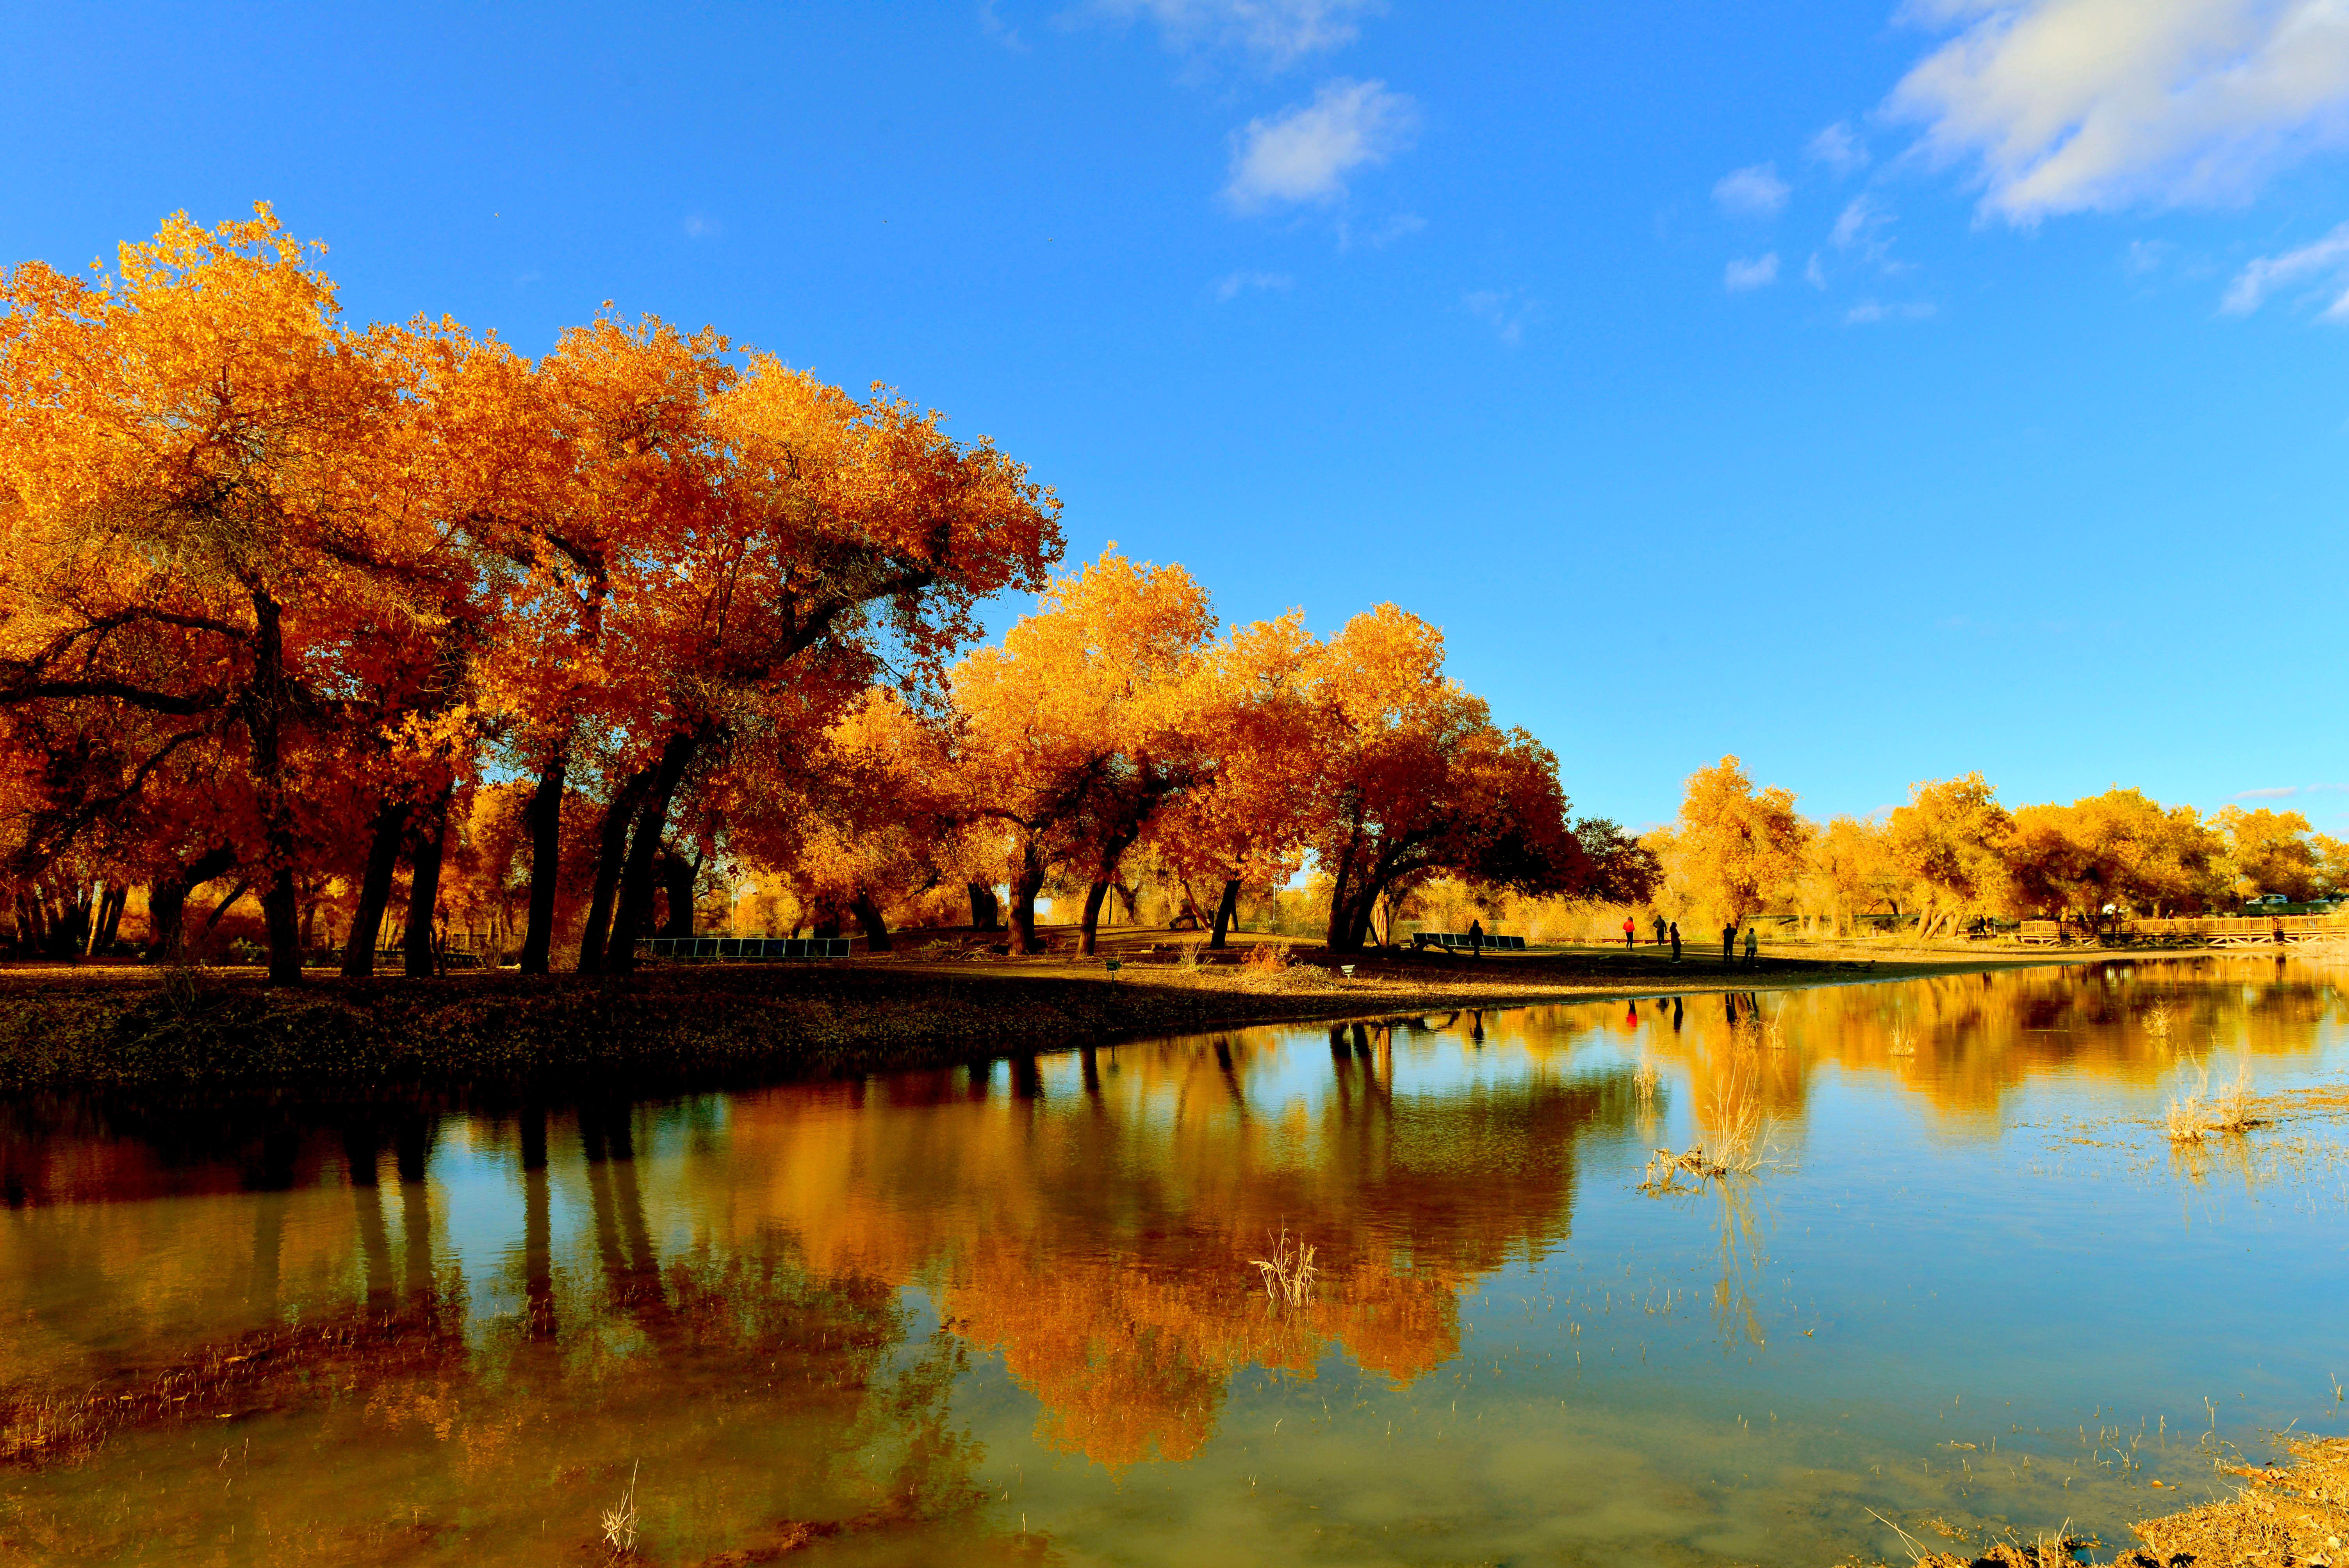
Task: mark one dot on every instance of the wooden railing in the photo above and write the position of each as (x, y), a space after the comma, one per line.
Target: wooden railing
(2219, 931)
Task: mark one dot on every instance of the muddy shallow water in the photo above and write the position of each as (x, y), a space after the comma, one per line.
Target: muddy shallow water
(1009, 1313)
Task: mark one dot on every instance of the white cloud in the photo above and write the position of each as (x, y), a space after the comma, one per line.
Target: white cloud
(1838, 147)
(2064, 106)
(698, 227)
(1231, 285)
(1277, 32)
(995, 27)
(1814, 274)
(1509, 311)
(1754, 191)
(2323, 261)
(1867, 312)
(1862, 217)
(1305, 152)
(1742, 275)
(1381, 235)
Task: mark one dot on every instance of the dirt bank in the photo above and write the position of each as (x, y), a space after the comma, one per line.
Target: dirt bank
(2285, 1516)
(712, 1023)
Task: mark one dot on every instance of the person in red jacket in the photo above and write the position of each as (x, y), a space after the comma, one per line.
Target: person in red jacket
(1630, 940)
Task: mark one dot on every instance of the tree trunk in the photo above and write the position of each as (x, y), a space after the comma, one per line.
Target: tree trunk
(266, 704)
(635, 911)
(611, 851)
(1025, 885)
(545, 858)
(424, 885)
(1092, 924)
(109, 919)
(1226, 908)
(167, 903)
(375, 890)
(986, 913)
(868, 915)
(677, 877)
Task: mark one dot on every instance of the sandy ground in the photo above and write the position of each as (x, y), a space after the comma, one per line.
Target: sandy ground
(2284, 1516)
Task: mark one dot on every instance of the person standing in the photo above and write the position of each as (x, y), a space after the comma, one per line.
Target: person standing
(1728, 944)
(1659, 931)
(1753, 944)
(1628, 929)
(1476, 939)
(1676, 941)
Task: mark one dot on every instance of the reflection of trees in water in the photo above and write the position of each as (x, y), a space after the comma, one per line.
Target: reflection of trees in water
(782, 1400)
(1097, 1232)
(1971, 1038)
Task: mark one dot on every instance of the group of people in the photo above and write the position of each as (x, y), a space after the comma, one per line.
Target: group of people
(1670, 931)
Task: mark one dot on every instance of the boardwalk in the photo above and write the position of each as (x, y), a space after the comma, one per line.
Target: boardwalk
(2214, 930)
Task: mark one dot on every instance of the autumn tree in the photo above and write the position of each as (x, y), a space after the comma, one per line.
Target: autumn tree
(1733, 849)
(1256, 732)
(1848, 867)
(1413, 781)
(1950, 841)
(206, 526)
(2119, 848)
(1077, 730)
(841, 539)
(861, 824)
(2270, 852)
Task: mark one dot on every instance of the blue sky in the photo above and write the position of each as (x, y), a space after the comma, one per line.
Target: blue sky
(1876, 391)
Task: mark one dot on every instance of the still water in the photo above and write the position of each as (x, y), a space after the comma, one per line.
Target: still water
(1008, 1313)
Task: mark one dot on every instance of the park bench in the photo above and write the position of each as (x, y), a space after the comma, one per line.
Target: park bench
(744, 949)
(1457, 942)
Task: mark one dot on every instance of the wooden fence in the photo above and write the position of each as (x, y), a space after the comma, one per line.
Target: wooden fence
(2216, 931)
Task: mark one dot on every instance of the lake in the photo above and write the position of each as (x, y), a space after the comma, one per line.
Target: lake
(1011, 1313)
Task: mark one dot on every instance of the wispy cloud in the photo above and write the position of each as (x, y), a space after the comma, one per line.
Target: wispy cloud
(2286, 791)
(700, 227)
(1838, 149)
(1742, 275)
(1379, 235)
(1861, 217)
(1305, 152)
(1754, 192)
(1507, 311)
(2066, 105)
(1868, 311)
(1231, 285)
(2325, 263)
(995, 27)
(1277, 33)
(1814, 273)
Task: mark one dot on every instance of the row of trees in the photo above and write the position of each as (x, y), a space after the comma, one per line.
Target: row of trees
(1954, 853)
(379, 623)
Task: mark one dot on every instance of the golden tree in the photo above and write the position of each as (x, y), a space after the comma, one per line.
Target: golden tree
(1733, 849)
(1950, 841)
(1413, 781)
(1079, 729)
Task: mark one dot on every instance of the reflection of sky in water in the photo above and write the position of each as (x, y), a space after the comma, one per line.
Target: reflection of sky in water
(1968, 1233)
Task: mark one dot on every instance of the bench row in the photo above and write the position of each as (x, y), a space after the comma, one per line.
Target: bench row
(747, 949)
(1453, 940)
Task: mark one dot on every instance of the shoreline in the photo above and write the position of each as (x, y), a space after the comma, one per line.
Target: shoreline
(712, 1027)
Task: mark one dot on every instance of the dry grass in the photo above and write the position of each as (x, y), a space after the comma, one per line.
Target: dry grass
(2294, 1513)
(1289, 1275)
(1903, 1042)
(2157, 1019)
(1646, 1080)
(620, 1523)
(2203, 1113)
(1731, 1106)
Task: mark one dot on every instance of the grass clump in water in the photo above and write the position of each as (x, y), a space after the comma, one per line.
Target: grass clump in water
(2204, 1113)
